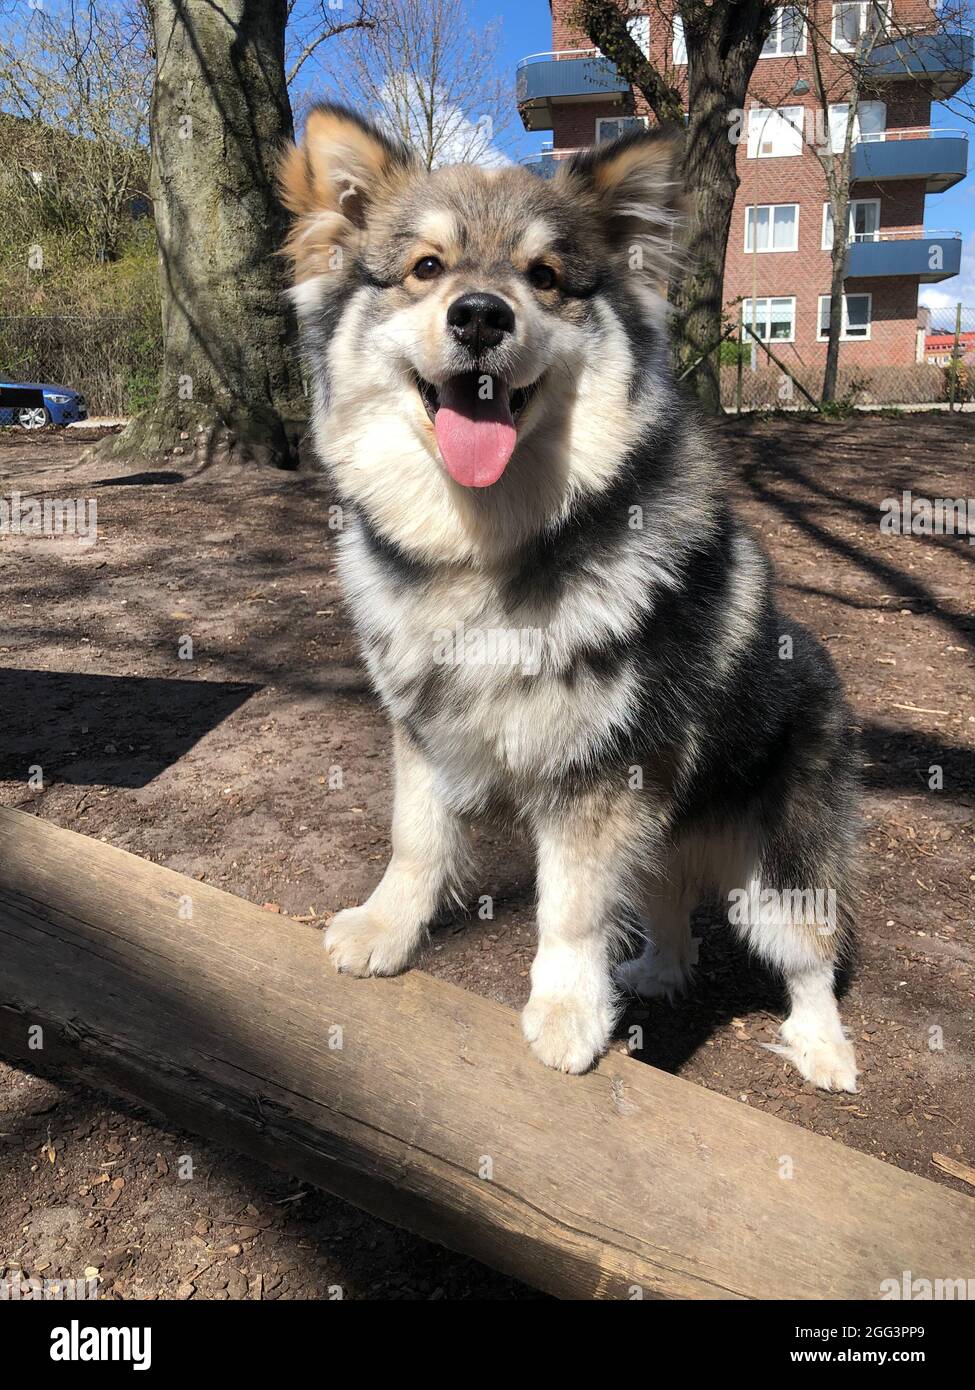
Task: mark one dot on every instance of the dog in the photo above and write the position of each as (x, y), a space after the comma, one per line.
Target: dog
(558, 608)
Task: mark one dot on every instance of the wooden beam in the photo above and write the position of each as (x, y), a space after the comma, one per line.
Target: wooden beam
(421, 1102)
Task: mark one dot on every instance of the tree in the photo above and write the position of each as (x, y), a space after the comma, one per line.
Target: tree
(837, 73)
(220, 115)
(312, 22)
(424, 74)
(76, 159)
(723, 39)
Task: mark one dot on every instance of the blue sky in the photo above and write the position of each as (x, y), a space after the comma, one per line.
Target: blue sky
(526, 27)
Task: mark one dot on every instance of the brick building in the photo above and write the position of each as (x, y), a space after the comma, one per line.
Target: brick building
(939, 348)
(778, 259)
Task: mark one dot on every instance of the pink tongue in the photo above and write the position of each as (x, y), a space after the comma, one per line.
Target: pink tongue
(476, 437)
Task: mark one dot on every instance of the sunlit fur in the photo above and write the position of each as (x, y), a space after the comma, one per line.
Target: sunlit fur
(667, 742)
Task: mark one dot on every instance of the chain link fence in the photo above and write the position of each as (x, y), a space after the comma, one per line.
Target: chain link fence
(113, 360)
(773, 376)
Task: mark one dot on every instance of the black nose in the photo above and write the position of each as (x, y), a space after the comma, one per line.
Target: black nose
(480, 320)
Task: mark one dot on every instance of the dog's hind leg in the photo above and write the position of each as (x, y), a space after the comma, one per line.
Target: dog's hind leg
(664, 966)
(429, 853)
(796, 918)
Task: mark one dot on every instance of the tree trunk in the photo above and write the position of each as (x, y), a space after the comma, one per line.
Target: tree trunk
(220, 113)
(837, 279)
(720, 65)
(697, 293)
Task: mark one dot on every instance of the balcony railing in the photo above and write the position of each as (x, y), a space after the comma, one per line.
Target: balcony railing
(544, 163)
(558, 55)
(939, 157)
(571, 74)
(929, 256)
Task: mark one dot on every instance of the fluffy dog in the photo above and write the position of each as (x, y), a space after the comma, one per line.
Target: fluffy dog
(558, 608)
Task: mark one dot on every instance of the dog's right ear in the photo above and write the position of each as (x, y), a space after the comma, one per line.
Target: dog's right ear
(331, 180)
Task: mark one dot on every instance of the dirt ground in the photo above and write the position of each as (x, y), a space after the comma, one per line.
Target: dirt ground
(261, 766)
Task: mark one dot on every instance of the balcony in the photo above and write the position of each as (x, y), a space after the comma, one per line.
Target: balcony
(939, 157)
(572, 75)
(942, 61)
(928, 256)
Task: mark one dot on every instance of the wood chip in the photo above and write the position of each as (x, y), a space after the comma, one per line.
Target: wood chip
(964, 1171)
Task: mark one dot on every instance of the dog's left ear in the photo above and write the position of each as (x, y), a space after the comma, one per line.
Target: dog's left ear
(634, 185)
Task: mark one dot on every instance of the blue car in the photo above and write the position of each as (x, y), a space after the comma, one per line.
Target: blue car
(32, 405)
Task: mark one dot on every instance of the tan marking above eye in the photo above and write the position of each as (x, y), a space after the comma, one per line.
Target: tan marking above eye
(534, 242)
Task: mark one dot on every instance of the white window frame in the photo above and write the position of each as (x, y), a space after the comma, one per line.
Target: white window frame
(640, 23)
(845, 337)
(680, 42)
(760, 299)
(837, 129)
(776, 33)
(853, 203)
(788, 121)
(757, 250)
(839, 43)
(615, 120)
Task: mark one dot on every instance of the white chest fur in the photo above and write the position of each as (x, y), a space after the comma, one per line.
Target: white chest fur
(500, 700)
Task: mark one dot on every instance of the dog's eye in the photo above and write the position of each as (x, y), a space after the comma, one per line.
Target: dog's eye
(428, 268)
(541, 276)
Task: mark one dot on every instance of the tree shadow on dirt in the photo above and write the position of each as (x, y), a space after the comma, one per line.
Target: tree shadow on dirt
(112, 731)
(772, 463)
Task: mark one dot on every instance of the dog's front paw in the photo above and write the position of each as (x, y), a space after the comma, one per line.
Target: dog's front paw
(360, 943)
(566, 1033)
(829, 1062)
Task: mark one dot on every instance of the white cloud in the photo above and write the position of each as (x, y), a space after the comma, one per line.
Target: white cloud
(404, 107)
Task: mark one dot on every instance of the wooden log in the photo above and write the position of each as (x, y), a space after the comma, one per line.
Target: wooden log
(422, 1104)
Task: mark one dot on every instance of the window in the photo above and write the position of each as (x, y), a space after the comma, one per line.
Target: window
(856, 316)
(855, 18)
(775, 319)
(787, 35)
(639, 31)
(773, 132)
(680, 43)
(863, 221)
(612, 127)
(869, 123)
(772, 227)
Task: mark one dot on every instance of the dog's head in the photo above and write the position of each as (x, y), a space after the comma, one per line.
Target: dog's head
(493, 323)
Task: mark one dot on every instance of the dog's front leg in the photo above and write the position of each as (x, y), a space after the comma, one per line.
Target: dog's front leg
(429, 848)
(584, 854)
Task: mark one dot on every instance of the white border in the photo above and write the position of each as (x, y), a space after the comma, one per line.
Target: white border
(845, 337)
(747, 318)
(776, 250)
(777, 30)
(828, 245)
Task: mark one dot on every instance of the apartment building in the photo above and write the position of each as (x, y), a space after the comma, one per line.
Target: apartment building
(778, 259)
